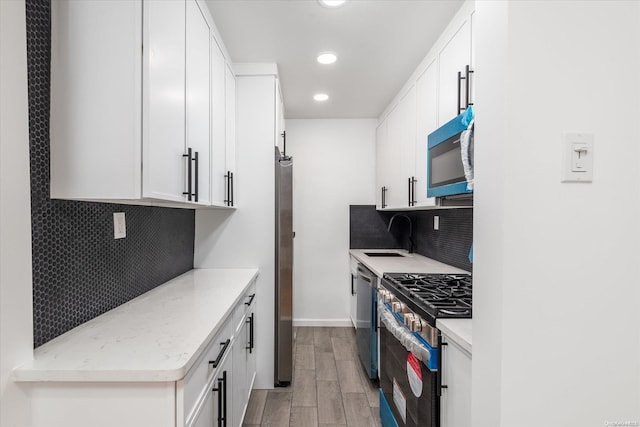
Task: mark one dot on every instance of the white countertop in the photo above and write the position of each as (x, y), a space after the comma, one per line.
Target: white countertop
(155, 337)
(409, 263)
(457, 330)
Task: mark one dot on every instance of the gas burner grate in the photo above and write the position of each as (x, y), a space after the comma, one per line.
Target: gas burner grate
(439, 295)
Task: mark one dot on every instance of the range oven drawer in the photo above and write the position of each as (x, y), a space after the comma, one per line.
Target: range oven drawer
(408, 386)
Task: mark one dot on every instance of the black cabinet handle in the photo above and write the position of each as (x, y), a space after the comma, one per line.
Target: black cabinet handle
(188, 156)
(231, 191)
(250, 322)
(195, 160)
(384, 197)
(409, 198)
(468, 72)
(460, 78)
(251, 297)
(413, 191)
(353, 289)
(222, 400)
(229, 183)
(219, 391)
(224, 345)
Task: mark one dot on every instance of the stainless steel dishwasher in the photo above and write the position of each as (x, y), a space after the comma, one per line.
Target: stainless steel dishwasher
(366, 315)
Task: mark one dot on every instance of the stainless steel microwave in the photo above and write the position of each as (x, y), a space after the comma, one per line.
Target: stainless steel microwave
(450, 157)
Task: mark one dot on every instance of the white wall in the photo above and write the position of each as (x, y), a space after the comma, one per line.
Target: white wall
(16, 321)
(556, 289)
(246, 238)
(333, 167)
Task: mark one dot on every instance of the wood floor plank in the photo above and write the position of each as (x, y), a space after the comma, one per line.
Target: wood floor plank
(326, 367)
(343, 348)
(304, 389)
(303, 417)
(277, 410)
(349, 377)
(305, 357)
(330, 407)
(324, 390)
(255, 407)
(322, 340)
(357, 410)
(304, 335)
(339, 332)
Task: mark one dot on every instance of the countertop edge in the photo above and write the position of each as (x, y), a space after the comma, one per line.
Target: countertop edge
(28, 372)
(459, 331)
(415, 263)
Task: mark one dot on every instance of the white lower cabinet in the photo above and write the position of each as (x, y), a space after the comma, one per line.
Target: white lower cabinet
(223, 401)
(213, 393)
(455, 402)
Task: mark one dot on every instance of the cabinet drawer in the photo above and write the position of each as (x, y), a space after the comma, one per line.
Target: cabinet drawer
(247, 303)
(194, 385)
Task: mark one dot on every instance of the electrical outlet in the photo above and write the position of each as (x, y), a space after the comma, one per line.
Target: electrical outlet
(119, 226)
(436, 222)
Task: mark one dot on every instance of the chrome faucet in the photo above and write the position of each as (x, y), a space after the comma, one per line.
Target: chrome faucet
(411, 244)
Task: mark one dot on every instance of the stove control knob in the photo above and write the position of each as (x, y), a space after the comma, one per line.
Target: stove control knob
(416, 325)
(409, 318)
(397, 306)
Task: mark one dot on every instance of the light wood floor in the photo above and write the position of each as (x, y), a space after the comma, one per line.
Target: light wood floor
(329, 387)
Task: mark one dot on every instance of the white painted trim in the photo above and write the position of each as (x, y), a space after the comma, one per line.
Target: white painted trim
(255, 69)
(331, 323)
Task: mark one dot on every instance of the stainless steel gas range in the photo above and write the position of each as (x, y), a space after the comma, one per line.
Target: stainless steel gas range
(409, 305)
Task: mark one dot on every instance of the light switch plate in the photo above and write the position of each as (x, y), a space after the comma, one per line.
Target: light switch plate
(436, 222)
(577, 157)
(119, 226)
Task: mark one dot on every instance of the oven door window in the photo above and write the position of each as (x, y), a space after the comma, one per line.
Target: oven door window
(445, 166)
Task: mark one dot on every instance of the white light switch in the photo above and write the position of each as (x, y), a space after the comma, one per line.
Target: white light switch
(119, 226)
(577, 164)
(436, 222)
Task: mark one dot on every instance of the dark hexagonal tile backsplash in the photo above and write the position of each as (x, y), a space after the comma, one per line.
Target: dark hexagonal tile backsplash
(79, 270)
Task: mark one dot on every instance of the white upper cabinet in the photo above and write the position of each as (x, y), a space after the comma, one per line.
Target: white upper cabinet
(198, 99)
(426, 122)
(135, 87)
(163, 108)
(386, 160)
(218, 142)
(452, 59)
(230, 135)
(96, 98)
(428, 100)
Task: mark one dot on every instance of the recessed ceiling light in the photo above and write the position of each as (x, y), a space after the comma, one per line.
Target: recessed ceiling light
(320, 97)
(327, 58)
(332, 3)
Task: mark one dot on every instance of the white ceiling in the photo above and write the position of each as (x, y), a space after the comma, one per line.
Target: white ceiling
(379, 43)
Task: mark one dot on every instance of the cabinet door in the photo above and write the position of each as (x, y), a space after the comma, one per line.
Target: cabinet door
(218, 143)
(240, 359)
(455, 404)
(398, 122)
(99, 41)
(164, 171)
(198, 83)
(453, 58)
(407, 145)
(218, 402)
(384, 155)
(426, 122)
(230, 132)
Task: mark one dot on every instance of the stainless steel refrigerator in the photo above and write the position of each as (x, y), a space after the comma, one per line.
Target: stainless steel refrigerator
(283, 271)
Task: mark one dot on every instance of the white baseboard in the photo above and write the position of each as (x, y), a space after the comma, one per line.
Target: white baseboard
(334, 323)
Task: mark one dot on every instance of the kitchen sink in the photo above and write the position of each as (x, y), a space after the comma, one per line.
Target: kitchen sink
(383, 254)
